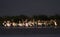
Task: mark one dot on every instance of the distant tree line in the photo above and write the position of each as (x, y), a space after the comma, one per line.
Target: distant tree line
(35, 17)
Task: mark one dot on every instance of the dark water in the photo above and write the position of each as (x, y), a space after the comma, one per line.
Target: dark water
(37, 35)
(41, 32)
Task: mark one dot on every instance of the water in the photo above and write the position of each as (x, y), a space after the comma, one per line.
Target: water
(37, 35)
(48, 34)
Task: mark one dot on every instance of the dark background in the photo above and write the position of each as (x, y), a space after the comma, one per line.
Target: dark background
(29, 7)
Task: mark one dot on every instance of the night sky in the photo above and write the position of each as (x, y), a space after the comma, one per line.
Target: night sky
(29, 7)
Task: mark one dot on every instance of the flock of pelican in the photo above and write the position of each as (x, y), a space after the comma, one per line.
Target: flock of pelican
(29, 23)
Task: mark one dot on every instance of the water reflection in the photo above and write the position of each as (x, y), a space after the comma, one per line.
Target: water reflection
(35, 35)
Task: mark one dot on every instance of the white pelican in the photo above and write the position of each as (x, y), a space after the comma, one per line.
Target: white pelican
(14, 24)
(30, 23)
(8, 24)
(20, 24)
(4, 23)
(55, 23)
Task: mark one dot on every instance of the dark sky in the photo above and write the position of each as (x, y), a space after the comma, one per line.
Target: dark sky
(29, 7)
